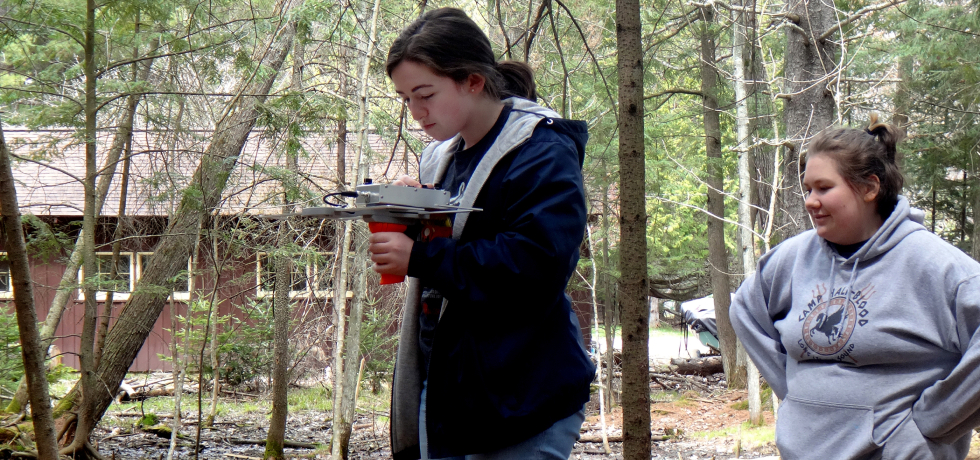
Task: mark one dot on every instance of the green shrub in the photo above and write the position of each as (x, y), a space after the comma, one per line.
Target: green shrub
(378, 339)
(11, 360)
(245, 348)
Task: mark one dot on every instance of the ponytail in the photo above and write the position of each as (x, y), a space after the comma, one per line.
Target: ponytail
(518, 80)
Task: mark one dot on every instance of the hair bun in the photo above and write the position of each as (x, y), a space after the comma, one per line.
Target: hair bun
(886, 134)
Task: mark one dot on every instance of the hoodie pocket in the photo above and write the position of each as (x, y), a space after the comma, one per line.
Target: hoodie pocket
(815, 429)
(906, 442)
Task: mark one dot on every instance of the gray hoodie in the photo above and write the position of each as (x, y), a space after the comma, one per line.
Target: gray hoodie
(874, 356)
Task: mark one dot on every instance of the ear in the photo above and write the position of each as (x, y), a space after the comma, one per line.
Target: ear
(871, 189)
(474, 83)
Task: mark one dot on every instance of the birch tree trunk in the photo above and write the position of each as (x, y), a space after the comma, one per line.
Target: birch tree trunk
(176, 243)
(743, 64)
(30, 340)
(633, 245)
(344, 412)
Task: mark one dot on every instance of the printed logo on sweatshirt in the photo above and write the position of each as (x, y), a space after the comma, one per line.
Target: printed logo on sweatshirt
(828, 324)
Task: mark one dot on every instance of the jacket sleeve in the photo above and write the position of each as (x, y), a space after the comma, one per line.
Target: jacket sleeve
(752, 317)
(531, 258)
(950, 408)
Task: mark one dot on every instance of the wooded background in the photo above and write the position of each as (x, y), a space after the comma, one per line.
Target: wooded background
(697, 112)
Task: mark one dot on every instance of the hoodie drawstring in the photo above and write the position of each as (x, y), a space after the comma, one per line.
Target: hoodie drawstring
(833, 279)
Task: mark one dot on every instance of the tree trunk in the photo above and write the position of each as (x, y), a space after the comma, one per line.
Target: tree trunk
(30, 340)
(280, 378)
(609, 299)
(176, 243)
(901, 100)
(603, 389)
(117, 236)
(342, 152)
(809, 105)
(633, 245)
(215, 314)
(86, 419)
(344, 414)
(281, 303)
(179, 366)
(743, 40)
(715, 166)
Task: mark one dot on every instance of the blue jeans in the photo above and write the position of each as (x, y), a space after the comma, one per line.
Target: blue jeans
(554, 443)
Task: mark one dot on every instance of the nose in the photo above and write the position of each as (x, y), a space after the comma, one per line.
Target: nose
(811, 202)
(415, 107)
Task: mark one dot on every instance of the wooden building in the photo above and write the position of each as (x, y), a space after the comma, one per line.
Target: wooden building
(49, 166)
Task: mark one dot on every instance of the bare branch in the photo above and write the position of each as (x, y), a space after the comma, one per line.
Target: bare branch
(673, 91)
(857, 15)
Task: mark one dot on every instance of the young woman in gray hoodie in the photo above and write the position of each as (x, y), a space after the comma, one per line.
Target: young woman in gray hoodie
(865, 327)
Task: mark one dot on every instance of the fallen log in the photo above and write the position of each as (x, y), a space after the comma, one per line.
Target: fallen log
(617, 438)
(261, 442)
(703, 367)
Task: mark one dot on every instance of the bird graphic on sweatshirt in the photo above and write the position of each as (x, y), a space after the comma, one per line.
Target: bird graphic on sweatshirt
(829, 324)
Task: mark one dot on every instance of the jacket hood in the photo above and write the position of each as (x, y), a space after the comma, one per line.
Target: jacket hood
(532, 113)
(902, 222)
(524, 118)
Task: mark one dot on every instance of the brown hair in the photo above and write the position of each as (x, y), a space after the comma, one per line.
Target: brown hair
(860, 154)
(449, 43)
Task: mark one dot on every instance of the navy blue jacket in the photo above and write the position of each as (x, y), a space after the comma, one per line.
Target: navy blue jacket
(507, 358)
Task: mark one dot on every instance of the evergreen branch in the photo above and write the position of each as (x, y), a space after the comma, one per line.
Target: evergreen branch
(66, 33)
(588, 48)
(936, 25)
(31, 91)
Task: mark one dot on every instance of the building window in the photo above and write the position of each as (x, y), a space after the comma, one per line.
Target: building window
(6, 286)
(121, 285)
(122, 282)
(182, 284)
(266, 272)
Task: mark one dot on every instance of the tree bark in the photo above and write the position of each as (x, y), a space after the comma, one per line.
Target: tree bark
(281, 303)
(633, 246)
(717, 251)
(344, 414)
(810, 104)
(30, 340)
(748, 375)
(141, 311)
(85, 419)
(280, 378)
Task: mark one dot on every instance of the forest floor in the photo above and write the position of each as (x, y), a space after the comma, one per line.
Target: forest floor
(697, 423)
(691, 418)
